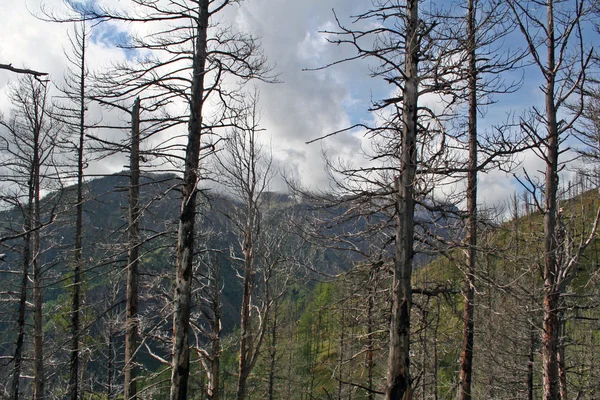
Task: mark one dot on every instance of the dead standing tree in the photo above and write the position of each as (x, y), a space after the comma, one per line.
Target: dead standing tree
(71, 111)
(133, 255)
(485, 25)
(189, 60)
(557, 29)
(29, 146)
(245, 170)
(411, 59)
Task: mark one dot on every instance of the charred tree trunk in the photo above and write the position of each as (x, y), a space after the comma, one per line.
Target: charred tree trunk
(551, 292)
(131, 321)
(550, 346)
(246, 330)
(38, 334)
(370, 332)
(244, 167)
(78, 267)
(435, 351)
(273, 352)
(18, 357)
(215, 323)
(562, 362)
(185, 236)
(531, 357)
(466, 359)
(109, 365)
(341, 348)
(398, 374)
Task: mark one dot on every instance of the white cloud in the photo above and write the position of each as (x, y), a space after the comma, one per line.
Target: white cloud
(306, 105)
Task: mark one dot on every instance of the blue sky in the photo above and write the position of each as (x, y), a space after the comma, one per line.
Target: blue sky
(111, 34)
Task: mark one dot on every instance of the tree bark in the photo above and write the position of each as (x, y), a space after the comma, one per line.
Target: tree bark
(466, 360)
(273, 352)
(38, 335)
(370, 331)
(551, 293)
(398, 374)
(109, 366)
(562, 362)
(214, 381)
(131, 321)
(531, 357)
(78, 259)
(32, 72)
(215, 334)
(185, 236)
(246, 330)
(18, 358)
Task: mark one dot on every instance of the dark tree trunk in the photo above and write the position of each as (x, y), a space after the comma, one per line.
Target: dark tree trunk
(370, 332)
(246, 330)
(215, 356)
(273, 352)
(109, 365)
(435, 351)
(398, 373)
(18, 358)
(185, 237)
(551, 292)
(131, 321)
(78, 267)
(562, 362)
(341, 347)
(531, 357)
(38, 334)
(550, 347)
(466, 359)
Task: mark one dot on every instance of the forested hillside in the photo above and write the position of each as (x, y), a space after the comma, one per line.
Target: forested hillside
(105, 253)
(444, 246)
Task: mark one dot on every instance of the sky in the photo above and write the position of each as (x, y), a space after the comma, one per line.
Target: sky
(306, 104)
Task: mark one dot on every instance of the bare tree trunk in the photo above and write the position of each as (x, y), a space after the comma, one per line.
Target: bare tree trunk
(185, 237)
(370, 331)
(424, 355)
(466, 360)
(531, 359)
(215, 356)
(76, 301)
(398, 374)
(435, 351)
(131, 321)
(246, 331)
(562, 362)
(245, 169)
(273, 352)
(550, 347)
(341, 346)
(18, 358)
(551, 294)
(38, 335)
(109, 366)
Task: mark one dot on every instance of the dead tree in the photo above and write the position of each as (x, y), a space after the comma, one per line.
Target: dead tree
(554, 34)
(71, 111)
(26, 71)
(29, 146)
(244, 168)
(485, 25)
(190, 59)
(133, 255)
(413, 58)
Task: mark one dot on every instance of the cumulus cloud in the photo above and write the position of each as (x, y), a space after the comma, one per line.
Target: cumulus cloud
(309, 102)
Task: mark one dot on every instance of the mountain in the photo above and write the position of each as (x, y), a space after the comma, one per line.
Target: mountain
(309, 252)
